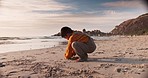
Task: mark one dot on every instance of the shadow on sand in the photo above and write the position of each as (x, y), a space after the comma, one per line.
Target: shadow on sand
(119, 60)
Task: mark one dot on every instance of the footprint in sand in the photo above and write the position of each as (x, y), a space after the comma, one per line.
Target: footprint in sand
(3, 58)
(2, 65)
(24, 76)
(53, 53)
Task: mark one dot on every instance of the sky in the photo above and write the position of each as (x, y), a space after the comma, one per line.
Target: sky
(47, 17)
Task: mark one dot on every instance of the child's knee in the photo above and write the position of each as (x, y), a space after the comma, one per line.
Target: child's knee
(74, 44)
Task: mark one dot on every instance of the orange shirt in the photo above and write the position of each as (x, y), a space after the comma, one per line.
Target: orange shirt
(76, 36)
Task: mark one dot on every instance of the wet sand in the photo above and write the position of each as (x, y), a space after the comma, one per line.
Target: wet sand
(120, 57)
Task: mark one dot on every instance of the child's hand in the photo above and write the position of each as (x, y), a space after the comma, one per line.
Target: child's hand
(74, 58)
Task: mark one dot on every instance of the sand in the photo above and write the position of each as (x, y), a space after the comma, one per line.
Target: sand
(120, 57)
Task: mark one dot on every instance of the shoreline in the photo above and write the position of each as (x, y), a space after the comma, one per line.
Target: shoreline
(6, 48)
(125, 57)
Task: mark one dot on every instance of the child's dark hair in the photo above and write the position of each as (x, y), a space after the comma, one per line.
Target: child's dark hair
(65, 30)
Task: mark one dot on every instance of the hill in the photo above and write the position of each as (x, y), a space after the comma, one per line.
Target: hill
(137, 26)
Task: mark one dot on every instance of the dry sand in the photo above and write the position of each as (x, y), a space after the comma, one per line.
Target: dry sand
(120, 57)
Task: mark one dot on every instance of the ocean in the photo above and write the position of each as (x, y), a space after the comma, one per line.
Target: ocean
(11, 44)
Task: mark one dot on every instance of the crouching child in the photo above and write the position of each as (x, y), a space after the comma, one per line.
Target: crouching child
(78, 43)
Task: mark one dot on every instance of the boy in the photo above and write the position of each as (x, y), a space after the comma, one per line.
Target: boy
(78, 43)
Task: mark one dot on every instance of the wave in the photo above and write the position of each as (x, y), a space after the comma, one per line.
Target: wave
(28, 38)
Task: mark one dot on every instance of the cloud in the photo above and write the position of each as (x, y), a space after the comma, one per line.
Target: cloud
(82, 11)
(23, 10)
(34, 5)
(49, 14)
(125, 4)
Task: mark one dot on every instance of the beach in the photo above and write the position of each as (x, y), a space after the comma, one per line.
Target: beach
(119, 57)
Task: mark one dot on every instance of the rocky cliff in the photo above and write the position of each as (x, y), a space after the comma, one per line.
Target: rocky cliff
(137, 26)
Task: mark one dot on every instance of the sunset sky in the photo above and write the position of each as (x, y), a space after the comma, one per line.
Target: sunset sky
(46, 17)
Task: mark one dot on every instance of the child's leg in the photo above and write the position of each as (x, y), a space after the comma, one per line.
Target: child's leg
(81, 49)
(91, 45)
